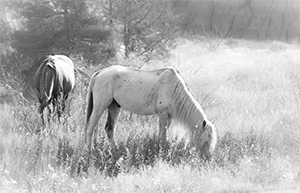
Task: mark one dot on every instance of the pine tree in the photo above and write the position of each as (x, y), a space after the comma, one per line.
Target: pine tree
(61, 26)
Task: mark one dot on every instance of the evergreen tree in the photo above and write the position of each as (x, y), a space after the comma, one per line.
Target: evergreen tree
(61, 26)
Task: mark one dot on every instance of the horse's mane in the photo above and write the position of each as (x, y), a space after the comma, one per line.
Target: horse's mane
(185, 107)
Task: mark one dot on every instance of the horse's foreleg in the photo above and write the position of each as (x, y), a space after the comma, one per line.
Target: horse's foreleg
(112, 118)
(164, 123)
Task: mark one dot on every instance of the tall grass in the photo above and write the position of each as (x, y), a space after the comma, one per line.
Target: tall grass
(250, 89)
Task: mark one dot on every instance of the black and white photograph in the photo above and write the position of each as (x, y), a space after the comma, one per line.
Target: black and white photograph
(150, 96)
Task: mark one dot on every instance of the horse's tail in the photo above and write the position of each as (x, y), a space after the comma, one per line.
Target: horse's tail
(89, 103)
(48, 84)
(45, 85)
(89, 99)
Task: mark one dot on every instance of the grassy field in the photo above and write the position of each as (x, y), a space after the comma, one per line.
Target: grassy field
(250, 89)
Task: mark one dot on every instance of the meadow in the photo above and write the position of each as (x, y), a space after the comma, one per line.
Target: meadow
(250, 89)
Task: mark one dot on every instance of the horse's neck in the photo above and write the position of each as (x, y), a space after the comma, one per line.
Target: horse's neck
(192, 115)
(186, 109)
(196, 118)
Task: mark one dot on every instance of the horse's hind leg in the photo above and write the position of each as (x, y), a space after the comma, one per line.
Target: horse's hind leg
(93, 120)
(43, 105)
(49, 113)
(99, 105)
(112, 118)
(64, 99)
(41, 111)
(59, 104)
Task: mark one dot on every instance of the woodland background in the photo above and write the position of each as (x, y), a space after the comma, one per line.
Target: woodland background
(99, 32)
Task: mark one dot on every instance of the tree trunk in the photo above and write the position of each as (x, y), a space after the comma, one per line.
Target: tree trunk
(126, 40)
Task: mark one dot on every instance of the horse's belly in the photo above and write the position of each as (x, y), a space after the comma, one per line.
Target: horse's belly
(137, 107)
(136, 104)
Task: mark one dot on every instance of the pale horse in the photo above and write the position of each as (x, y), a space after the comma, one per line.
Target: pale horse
(162, 92)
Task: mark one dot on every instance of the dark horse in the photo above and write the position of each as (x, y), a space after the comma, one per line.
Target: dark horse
(54, 80)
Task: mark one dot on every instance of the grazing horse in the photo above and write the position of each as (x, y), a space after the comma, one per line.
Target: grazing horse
(162, 92)
(54, 80)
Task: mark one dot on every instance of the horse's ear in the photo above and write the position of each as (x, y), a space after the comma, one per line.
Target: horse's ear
(203, 123)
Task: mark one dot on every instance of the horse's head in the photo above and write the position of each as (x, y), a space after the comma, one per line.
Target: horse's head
(206, 139)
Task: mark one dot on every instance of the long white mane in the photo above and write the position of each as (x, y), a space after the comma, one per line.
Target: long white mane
(185, 107)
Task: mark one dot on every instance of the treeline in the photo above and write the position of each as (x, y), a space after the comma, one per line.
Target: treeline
(247, 19)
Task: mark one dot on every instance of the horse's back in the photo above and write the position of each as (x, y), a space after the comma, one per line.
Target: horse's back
(131, 73)
(127, 77)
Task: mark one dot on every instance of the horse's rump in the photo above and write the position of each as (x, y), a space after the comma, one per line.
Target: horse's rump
(53, 77)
